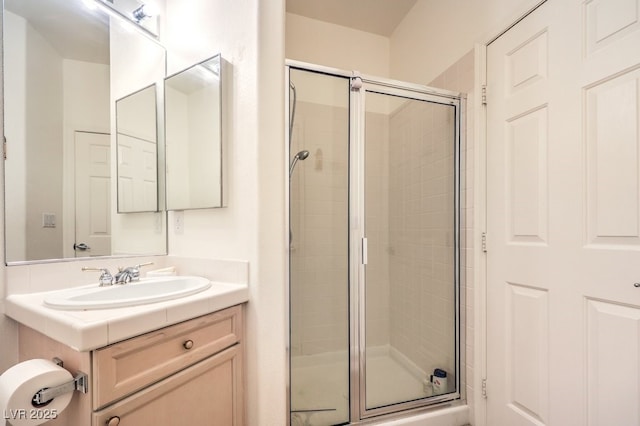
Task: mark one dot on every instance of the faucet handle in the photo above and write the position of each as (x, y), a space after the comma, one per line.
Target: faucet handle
(130, 273)
(136, 269)
(105, 278)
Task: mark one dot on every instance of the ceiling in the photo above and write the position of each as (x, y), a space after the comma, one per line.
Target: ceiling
(69, 26)
(373, 16)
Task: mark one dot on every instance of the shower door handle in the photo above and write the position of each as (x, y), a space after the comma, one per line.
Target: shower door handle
(365, 249)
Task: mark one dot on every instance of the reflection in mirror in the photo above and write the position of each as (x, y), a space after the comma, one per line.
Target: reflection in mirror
(59, 103)
(144, 13)
(193, 137)
(137, 152)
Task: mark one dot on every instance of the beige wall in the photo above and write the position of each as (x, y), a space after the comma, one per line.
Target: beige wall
(15, 130)
(436, 34)
(40, 140)
(331, 45)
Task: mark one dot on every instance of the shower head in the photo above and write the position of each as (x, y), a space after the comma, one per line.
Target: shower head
(302, 155)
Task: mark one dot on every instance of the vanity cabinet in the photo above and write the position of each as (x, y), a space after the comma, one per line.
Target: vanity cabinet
(204, 394)
(188, 373)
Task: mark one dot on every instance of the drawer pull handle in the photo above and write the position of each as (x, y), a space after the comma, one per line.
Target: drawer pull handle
(113, 421)
(188, 344)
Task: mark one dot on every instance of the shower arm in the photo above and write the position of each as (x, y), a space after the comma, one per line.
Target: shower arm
(293, 111)
(292, 166)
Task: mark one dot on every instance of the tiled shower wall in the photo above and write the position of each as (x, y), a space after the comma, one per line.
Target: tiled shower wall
(404, 312)
(319, 231)
(421, 234)
(377, 199)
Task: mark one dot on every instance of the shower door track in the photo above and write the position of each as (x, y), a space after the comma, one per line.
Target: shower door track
(359, 414)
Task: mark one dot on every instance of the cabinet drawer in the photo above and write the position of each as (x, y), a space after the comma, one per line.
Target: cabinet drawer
(207, 393)
(125, 367)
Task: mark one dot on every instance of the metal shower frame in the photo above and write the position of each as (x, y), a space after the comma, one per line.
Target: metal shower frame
(359, 85)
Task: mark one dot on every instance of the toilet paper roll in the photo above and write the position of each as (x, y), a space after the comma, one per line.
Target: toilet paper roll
(20, 383)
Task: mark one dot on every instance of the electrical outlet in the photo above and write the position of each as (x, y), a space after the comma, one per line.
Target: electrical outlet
(48, 220)
(178, 222)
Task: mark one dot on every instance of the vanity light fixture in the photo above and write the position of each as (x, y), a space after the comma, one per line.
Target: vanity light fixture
(142, 12)
(145, 11)
(90, 4)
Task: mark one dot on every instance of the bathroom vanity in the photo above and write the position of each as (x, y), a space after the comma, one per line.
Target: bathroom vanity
(180, 362)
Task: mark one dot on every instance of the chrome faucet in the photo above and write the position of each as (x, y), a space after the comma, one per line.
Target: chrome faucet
(129, 274)
(105, 279)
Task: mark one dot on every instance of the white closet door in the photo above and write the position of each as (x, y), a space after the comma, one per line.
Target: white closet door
(563, 200)
(93, 193)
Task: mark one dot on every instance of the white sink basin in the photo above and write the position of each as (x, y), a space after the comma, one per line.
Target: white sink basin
(147, 290)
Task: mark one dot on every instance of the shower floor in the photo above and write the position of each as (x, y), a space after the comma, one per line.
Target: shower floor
(320, 386)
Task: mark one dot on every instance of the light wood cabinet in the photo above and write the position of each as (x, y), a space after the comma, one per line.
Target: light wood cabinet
(207, 393)
(187, 373)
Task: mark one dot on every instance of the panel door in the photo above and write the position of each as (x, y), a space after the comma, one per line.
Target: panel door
(563, 218)
(93, 193)
(137, 174)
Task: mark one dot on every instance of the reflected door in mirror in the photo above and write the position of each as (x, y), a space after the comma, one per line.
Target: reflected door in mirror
(93, 194)
(137, 152)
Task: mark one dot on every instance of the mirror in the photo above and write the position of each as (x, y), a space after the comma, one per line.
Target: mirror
(65, 64)
(137, 151)
(193, 137)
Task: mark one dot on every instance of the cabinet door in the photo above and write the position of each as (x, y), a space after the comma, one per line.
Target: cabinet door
(207, 393)
(125, 367)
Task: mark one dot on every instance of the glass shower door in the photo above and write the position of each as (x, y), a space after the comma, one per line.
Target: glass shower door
(410, 272)
(319, 242)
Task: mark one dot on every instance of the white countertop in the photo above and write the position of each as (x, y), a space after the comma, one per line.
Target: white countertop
(85, 330)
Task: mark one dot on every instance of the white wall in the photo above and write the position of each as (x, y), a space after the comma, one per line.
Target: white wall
(250, 36)
(317, 42)
(176, 140)
(8, 327)
(136, 62)
(44, 146)
(435, 34)
(15, 129)
(193, 141)
(204, 144)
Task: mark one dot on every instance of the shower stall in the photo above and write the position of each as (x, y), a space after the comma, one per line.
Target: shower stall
(375, 246)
